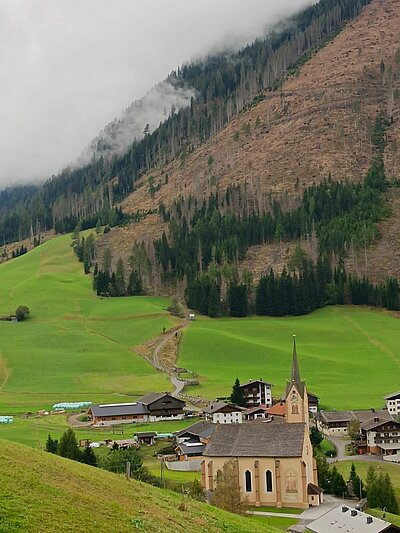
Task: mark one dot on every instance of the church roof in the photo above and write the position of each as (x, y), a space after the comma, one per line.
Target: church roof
(257, 439)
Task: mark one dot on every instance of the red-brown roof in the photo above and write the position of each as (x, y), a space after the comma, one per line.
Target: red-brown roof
(277, 409)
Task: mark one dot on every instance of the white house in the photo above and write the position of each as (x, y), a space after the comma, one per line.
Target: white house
(223, 413)
(393, 403)
(257, 392)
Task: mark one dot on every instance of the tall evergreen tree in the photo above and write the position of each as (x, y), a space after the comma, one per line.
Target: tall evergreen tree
(237, 397)
(68, 446)
(88, 456)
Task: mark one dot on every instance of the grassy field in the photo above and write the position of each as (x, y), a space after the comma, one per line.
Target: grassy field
(349, 356)
(75, 346)
(43, 493)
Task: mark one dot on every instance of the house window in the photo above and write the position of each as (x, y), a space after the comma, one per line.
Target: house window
(268, 480)
(247, 480)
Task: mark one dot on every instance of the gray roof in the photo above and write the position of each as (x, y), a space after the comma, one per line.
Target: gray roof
(253, 410)
(366, 415)
(260, 438)
(192, 448)
(393, 395)
(256, 381)
(337, 416)
(151, 397)
(373, 424)
(202, 429)
(119, 409)
(215, 407)
(146, 434)
(344, 518)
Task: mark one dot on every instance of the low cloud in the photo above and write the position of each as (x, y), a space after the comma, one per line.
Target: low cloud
(70, 67)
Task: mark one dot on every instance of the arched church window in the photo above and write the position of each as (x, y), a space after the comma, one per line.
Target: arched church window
(247, 480)
(295, 409)
(268, 480)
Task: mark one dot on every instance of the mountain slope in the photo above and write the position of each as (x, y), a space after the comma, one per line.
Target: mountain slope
(319, 123)
(40, 492)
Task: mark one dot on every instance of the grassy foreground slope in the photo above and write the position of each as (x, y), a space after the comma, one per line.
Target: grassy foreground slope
(40, 492)
(349, 356)
(75, 346)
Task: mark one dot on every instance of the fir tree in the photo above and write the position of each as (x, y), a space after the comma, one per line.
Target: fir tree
(68, 446)
(237, 397)
(51, 445)
(88, 456)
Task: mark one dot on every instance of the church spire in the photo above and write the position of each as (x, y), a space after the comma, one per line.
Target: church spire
(295, 376)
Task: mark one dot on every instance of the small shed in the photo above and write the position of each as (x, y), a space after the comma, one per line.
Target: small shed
(146, 437)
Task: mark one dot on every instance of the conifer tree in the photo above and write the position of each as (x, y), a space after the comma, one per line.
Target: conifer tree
(88, 456)
(237, 396)
(120, 278)
(51, 445)
(68, 446)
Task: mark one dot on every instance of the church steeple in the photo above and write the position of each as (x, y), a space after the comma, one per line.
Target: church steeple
(296, 393)
(295, 376)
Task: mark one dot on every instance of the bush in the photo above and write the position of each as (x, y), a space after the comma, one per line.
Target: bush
(22, 313)
(176, 308)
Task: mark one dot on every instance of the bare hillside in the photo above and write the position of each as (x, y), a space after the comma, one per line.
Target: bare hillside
(318, 124)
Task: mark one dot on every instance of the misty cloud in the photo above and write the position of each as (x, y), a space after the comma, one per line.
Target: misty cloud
(69, 67)
(149, 111)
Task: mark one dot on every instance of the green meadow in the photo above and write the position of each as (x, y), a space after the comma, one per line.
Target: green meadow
(349, 356)
(75, 346)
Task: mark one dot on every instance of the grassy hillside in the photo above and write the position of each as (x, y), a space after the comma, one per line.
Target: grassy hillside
(349, 356)
(43, 493)
(75, 346)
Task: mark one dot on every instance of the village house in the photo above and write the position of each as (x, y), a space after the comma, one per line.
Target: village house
(255, 412)
(191, 441)
(335, 423)
(223, 413)
(163, 406)
(393, 403)
(313, 402)
(257, 392)
(380, 436)
(273, 460)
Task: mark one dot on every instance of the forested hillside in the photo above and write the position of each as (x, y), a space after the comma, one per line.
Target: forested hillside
(225, 84)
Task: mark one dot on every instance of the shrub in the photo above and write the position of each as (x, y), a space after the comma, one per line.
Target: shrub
(22, 313)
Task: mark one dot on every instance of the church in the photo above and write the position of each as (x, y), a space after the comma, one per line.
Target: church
(272, 458)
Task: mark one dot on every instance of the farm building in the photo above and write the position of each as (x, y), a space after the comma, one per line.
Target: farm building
(150, 408)
(146, 437)
(162, 406)
(118, 413)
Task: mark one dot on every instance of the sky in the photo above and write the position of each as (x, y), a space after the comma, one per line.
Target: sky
(68, 67)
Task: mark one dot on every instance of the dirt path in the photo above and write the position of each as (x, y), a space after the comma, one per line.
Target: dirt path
(153, 350)
(381, 347)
